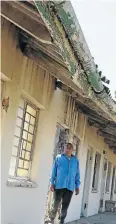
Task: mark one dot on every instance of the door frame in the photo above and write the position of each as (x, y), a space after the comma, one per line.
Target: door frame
(103, 185)
(113, 183)
(87, 182)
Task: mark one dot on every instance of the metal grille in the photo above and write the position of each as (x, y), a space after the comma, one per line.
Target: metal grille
(24, 137)
(75, 143)
(71, 114)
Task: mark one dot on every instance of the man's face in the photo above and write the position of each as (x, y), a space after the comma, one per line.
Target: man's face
(69, 149)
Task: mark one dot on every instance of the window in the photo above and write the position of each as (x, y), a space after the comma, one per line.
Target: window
(108, 177)
(75, 143)
(96, 172)
(23, 140)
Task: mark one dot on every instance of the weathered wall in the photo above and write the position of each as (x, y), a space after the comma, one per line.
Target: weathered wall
(22, 205)
(97, 143)
(26, 74)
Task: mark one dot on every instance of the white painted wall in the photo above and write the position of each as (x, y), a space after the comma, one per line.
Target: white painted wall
(21, 205)
(94, 197)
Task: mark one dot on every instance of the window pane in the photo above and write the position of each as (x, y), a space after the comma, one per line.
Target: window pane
(16, 141)
(14, 151)
(21, 103)
(19, 122)
(31, 129)
(27, 117)
(12, 166)
(24, 145)
(31, 110)
(22, 173)
(25, 135)
(22, 154)
(17, 131)
(20, 163)
(26, 126)
(30, 137)
(26, 165)
(32, 121)
(27, 155)
(28, 147)
(20, 113)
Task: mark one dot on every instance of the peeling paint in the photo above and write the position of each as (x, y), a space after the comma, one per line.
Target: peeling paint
(73, 30)
(58, 34)
(61, 21)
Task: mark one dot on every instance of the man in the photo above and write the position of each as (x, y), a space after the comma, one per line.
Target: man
(65, 177)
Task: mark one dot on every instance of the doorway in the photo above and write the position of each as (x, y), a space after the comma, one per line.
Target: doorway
(103, 184)
(87, 183)
(61, 138)
(113, 183)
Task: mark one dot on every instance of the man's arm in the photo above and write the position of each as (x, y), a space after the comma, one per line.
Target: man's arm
(53, 175)
(77, 179)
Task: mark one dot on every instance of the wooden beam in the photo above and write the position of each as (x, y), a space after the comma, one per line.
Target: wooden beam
(109, 130)
(110, 142)
(93, 123)
(29, 9)
(51, 51)
(113, 149)
(106, 135)
(52, 66)
(24, 21)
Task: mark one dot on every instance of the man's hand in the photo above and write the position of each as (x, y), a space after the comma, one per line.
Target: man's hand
(52, 188)
(76, 191)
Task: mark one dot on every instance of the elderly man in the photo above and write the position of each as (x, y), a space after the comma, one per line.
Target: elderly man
(65, 178)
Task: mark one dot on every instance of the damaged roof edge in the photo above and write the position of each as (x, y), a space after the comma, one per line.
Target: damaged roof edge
(64, 11)
(62, 23)
(72, 28)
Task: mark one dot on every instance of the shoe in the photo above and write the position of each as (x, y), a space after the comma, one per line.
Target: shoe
(61, 221)
(49, 221)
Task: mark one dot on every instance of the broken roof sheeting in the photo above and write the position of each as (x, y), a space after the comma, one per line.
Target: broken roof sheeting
(65, 13)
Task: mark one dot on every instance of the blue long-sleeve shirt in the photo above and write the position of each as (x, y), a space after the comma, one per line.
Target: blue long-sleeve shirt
(65, 173)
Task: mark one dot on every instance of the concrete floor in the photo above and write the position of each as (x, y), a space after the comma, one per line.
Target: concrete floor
(102, 218)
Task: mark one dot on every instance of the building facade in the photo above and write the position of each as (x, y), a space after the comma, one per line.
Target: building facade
(38, 118)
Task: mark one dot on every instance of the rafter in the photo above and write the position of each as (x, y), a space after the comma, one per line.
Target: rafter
(22, 18)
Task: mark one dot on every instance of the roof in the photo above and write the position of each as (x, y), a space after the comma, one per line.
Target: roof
(51, 34)
(76, 51)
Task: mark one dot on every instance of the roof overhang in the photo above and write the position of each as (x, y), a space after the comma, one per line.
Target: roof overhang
(50, 36)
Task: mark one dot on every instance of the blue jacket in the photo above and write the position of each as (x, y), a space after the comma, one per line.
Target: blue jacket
(65, 173)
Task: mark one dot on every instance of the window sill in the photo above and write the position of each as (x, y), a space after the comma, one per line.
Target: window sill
(17, 182)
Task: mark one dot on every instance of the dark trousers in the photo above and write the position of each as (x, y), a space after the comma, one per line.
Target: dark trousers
(64, 196)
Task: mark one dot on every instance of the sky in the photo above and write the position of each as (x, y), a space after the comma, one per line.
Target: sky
(98, 22)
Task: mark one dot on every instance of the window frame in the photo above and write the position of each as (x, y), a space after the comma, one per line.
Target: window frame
(115, 182)
(26, 103)
(94, 176)
(108, 163)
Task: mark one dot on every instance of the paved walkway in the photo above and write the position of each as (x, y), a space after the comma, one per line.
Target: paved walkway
(102, 218)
